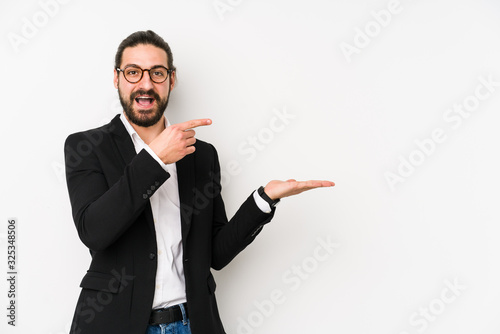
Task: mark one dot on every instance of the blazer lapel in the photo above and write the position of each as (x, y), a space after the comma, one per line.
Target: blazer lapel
(186, 181)
(126, 149)
(122, 139)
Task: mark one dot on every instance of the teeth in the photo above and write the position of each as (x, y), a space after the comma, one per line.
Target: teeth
(144, 100)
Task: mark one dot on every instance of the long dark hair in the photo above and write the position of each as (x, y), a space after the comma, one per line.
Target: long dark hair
(144, 37)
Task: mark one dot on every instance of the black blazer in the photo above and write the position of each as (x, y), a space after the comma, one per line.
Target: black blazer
(109, 187)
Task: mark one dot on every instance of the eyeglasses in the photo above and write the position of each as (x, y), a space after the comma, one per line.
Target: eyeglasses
(133, 73)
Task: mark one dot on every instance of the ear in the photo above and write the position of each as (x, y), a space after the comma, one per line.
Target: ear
(115, 79)
(172, 80)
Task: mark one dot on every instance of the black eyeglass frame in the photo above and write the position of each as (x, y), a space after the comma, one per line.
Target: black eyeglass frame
(169, 71)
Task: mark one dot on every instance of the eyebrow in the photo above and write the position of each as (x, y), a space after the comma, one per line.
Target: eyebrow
(141, 67)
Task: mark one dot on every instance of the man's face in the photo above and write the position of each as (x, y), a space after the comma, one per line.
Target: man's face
(144, 102)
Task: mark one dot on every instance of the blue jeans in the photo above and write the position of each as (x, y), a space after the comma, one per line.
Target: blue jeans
(178, 327)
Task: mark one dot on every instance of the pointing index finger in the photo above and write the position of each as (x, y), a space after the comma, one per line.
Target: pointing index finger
(194, 123)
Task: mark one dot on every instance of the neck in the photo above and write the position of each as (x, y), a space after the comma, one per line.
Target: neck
(150, 133)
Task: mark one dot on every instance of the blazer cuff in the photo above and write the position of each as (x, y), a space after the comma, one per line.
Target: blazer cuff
(156, 157)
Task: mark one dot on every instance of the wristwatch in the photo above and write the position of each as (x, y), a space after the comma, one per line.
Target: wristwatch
(272, 203)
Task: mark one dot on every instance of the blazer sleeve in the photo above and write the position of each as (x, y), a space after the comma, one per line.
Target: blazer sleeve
(103, 212)
(230, 238)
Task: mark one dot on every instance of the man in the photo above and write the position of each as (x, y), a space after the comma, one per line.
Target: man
(146, 201)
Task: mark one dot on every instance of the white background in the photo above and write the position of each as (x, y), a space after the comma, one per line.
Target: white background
(355, 117)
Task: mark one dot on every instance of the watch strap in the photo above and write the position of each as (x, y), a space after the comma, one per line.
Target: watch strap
(272, 203)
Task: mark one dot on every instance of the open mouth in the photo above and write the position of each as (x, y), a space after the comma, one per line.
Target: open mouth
(145, 101)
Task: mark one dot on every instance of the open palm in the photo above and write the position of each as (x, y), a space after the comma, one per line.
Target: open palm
(278, 189)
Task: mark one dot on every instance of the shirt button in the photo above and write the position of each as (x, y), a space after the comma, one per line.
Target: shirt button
(152, 256)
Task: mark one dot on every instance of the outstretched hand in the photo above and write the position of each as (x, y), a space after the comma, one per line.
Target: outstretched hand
(279, 189)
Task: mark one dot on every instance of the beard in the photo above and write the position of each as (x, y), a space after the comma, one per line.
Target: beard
(145, 117)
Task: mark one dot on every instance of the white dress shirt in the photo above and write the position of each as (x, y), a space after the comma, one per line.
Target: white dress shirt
(165, 205)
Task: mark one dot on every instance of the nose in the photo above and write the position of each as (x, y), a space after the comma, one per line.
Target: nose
(145, 83)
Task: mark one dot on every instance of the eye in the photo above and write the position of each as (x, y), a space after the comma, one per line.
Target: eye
(133, 72)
